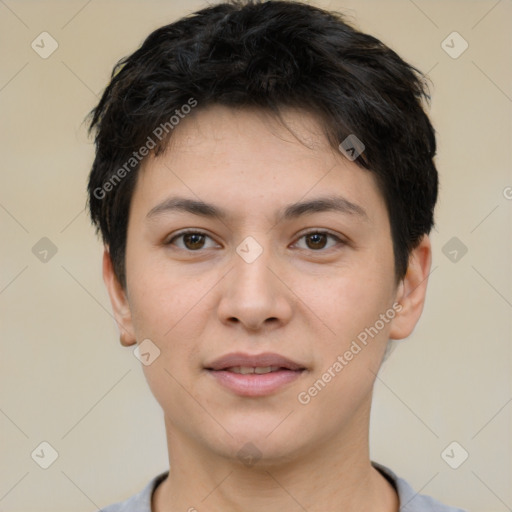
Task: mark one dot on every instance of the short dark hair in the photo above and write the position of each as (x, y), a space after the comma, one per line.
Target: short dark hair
(269, 55)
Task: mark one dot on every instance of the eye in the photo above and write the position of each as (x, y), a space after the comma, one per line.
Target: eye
(319, 240)
(192, 241)
(197, 240)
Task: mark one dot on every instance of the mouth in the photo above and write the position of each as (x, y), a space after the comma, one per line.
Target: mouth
(260, 370)
(265, 362)
(254, 375)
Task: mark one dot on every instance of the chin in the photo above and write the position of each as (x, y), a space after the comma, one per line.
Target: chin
(258, 445)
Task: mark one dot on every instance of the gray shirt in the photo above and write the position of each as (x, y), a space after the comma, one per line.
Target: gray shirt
(409, 500)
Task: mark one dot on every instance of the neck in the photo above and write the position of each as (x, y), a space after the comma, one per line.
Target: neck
(335, 474)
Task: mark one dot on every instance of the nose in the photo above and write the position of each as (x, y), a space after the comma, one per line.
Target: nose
(254, 295)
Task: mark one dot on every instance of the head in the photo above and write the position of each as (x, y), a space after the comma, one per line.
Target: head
(264, 182)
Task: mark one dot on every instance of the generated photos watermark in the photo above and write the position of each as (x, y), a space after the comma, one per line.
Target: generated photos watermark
(363, 338)
(137, 156)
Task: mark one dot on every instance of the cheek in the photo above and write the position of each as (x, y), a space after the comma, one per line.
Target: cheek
(168, 311)
(171, 312)
(350, 352)
(160, 295)
(174, 310)
(349, 358)
(349, 302)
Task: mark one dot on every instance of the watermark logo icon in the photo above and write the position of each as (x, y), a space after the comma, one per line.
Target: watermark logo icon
(44, 45)
(454, 249)
(454, 45)
(44, 455)
(454, 455)
(249, 249)
(352, 147)
(146, 352)
(44, 250)
(249, 454)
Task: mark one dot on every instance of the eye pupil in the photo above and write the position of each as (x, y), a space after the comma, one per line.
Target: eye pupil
(193, 240)
(317, 240)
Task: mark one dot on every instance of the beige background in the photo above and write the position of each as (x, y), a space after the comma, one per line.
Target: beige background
(65, 379)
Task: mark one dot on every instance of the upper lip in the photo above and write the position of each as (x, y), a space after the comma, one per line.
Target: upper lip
(256, 360)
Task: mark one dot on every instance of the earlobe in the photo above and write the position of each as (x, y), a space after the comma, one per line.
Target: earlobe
(411, 291)
(119, 301)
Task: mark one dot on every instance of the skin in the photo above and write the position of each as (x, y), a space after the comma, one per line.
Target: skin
(306, 298)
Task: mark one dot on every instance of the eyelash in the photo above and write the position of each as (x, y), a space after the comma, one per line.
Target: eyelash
(338, 240)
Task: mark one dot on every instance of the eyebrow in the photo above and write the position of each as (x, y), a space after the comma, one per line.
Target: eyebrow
(322, 204)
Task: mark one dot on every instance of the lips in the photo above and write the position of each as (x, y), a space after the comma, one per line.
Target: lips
(254, 375)
(264, 360)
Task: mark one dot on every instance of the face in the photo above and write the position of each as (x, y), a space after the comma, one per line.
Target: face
(251, 249)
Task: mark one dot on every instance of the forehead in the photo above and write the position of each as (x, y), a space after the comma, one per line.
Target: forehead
(250, 158)
(242, 133)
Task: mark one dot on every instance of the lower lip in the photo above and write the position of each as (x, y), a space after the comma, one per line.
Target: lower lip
(254, 384)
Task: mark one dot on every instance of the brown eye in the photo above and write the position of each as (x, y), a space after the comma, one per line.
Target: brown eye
(192, 241)
(318, 240)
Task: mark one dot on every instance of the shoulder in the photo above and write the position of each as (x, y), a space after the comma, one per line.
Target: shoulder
(140, 502)
(411, 501)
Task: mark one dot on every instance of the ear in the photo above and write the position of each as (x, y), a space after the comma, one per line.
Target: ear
(412, 290)
(119, 301)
